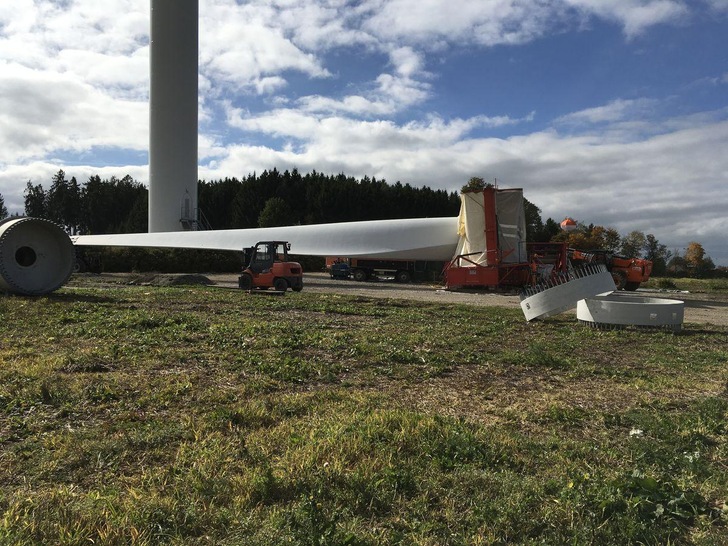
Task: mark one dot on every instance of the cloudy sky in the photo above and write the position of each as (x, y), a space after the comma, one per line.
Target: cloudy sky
(612, 112)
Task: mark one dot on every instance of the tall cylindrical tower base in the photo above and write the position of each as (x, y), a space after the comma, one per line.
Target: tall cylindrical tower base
(173, 115)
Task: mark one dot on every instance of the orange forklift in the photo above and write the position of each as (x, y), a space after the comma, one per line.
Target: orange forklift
(266, 265)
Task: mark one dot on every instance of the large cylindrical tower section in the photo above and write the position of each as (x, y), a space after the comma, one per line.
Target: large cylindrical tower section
(36, 256)
(173, 114)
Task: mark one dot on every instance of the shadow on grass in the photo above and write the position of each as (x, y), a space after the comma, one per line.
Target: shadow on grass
(688, 331)
(71, 297)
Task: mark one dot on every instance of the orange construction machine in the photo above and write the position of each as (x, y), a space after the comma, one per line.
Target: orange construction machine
(628, 273)
(266, 265)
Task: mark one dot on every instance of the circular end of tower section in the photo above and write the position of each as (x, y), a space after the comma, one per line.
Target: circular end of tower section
(36, 256)
(564, 292)
(615, 311)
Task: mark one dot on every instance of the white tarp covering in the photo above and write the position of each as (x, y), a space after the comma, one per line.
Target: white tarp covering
(511, 220)
(511, 225)
(413, 239)
(471, 228)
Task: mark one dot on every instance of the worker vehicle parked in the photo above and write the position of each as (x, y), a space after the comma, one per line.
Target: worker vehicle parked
(400, 270)
(266, 265)
(368, 269)
(628, 273)
(339, 269)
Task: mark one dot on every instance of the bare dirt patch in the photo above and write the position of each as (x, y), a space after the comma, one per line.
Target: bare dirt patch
(169, 279)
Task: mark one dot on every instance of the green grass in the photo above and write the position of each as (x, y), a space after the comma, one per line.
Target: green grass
(192, 415)
(691, 285)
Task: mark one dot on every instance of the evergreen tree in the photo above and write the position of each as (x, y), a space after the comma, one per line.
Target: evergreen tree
(215, 200)
(94, 211)
(35, 201)
(276, 212)
(137, 219)
(248, 203)
(126, 195)
(73, 207)
(108, 204)
(63, 202)
(550, 229)
(292, 191)
(56, 198)
(538, 231)
(3, 208)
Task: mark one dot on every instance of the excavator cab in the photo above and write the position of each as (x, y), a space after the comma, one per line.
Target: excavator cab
(266, 265)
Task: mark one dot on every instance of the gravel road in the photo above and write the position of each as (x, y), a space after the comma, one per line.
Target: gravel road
(711, 308)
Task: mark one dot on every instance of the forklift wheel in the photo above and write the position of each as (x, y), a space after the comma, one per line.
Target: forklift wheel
(245, 281)
(280, 285)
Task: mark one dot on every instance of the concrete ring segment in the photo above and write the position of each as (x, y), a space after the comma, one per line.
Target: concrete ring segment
(36, 256)
(551, 299)
(617, 311)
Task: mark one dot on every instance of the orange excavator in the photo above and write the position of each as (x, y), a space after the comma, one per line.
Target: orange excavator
(628, 273)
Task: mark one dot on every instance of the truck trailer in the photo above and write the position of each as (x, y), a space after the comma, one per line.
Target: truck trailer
(402, 271)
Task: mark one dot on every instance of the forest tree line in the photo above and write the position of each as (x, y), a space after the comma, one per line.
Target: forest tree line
(275, 198)
(268, 199)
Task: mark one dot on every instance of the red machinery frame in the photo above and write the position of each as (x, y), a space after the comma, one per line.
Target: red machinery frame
(463, 272)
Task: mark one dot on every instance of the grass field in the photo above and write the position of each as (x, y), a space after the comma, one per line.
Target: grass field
(194, 415)
(716, 286)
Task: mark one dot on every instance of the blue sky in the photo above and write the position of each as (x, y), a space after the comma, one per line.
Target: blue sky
(614, 113)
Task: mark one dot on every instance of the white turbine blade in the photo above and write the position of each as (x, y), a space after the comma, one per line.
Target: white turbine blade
(418, 238)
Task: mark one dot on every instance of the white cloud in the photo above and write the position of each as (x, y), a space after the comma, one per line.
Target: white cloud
(670, 184)
(431, 24)
(124, 75)
(356, 105)
(43, 113)
(341, 135)
(75, 78)
(268, 85)
(634, 15)
(616, 110)
(38, 30)
(407, 61)
(718, 5)
(434, 22)
(241, 48)
(315, 25)
(387, 95)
